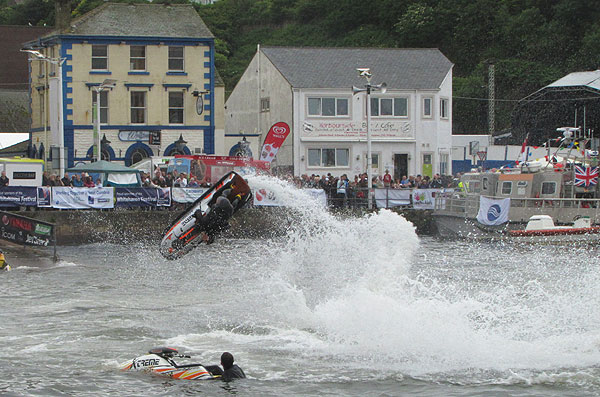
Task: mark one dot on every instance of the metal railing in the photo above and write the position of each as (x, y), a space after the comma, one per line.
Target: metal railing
(563, 209)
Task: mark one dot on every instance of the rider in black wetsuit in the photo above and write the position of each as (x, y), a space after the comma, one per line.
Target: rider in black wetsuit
(217, 217)
(230, 370)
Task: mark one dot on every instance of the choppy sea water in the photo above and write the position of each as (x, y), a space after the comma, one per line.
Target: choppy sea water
(337, 307)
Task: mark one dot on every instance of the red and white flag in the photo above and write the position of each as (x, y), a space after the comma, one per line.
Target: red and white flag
(524, 155)
(275, 137)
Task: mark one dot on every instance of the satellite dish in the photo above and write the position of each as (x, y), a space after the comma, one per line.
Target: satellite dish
(383, 88)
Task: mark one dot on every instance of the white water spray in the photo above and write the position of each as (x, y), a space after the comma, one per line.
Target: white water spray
(350, 280)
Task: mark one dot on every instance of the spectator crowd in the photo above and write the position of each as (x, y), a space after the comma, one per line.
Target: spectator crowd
(340, 190)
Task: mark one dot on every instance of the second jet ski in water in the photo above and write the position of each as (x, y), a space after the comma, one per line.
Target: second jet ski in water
(161, 361)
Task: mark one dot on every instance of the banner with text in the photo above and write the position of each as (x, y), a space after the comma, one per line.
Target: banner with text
(44, 196)
(14, 196)
(23, 230)
(387, 198)
(142, 197)
(82, 197)
(187, 194)
(275, 137)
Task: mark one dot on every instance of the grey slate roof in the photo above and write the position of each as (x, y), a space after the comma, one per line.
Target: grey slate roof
(155, 20)
(307, 67)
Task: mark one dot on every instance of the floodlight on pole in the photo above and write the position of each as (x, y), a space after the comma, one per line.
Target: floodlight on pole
(366, 73)
(38, 56)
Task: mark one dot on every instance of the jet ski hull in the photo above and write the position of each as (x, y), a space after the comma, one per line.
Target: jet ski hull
(180, 238)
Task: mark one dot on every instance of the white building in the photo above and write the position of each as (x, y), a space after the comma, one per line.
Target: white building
(311, 90)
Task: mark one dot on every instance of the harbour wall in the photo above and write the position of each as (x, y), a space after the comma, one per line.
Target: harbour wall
(127, 226)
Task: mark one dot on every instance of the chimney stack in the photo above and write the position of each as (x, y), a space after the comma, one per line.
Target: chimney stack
(62, 10)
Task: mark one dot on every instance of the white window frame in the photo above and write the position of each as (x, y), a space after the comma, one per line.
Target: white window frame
(145, 107)
(444, 165)
(176, 108)
(336, 99)
(321, 164)
(548, 183)
(105, 108)
(431, 111)
(375, 160)
(52, 64)
(265, 104)
(393, 98)
(444, 108)
(132, 58)
(182, 58)
(507, 183)
(105, 57)
(42, 105)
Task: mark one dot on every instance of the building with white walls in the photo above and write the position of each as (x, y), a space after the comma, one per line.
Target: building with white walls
(311, 90)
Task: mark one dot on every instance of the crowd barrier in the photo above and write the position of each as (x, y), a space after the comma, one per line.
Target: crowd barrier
(66, 198)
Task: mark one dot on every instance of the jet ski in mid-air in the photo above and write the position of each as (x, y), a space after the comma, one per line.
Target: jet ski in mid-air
(186, 232)
(161, 361)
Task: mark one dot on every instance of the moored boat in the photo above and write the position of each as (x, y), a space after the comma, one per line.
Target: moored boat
(541, 228)
(561, 185)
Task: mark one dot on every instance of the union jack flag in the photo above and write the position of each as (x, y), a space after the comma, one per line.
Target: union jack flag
(586, 176)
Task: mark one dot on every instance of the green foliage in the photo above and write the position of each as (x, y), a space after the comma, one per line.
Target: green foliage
(531, 42)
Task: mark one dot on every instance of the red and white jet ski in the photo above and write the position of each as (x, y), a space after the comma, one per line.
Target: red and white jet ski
(160, 361)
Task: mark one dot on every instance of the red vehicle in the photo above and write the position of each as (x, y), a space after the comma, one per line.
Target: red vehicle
(212, 168)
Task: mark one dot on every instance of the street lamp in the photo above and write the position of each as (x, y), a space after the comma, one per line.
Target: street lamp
(61, 125)
(180, 144)
(366, 73)
(108, 83)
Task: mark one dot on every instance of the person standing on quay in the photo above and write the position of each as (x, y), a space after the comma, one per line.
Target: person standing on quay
(4, 179)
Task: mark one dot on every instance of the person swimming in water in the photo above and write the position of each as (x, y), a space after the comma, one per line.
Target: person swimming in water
(3, 264)
(230, 370)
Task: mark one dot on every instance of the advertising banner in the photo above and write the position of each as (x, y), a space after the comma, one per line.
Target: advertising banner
(27, 231)
(82, 197)
(44, 196)
(268, 198)
(188, 194)
(142, 197)
(388, 198)
(493, 211)
(352, 130)
(14, 196)
(424, 199)
(164, 197)
(274, 140)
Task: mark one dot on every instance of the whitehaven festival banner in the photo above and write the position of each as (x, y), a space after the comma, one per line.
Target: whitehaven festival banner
(82, 197)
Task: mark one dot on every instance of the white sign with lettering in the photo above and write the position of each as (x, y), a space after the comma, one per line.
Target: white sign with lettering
(356, 129)
(133, 136)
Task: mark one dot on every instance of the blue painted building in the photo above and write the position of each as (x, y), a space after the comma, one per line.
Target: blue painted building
(163, 97)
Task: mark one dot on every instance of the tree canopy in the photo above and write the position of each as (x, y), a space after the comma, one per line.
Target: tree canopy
(530, 42)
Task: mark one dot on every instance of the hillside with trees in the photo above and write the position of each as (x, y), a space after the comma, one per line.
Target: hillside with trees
(530, 42)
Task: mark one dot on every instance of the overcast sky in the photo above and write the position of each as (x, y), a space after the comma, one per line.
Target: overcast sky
(8, 139)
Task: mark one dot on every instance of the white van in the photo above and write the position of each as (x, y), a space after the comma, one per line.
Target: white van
(22, 171)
